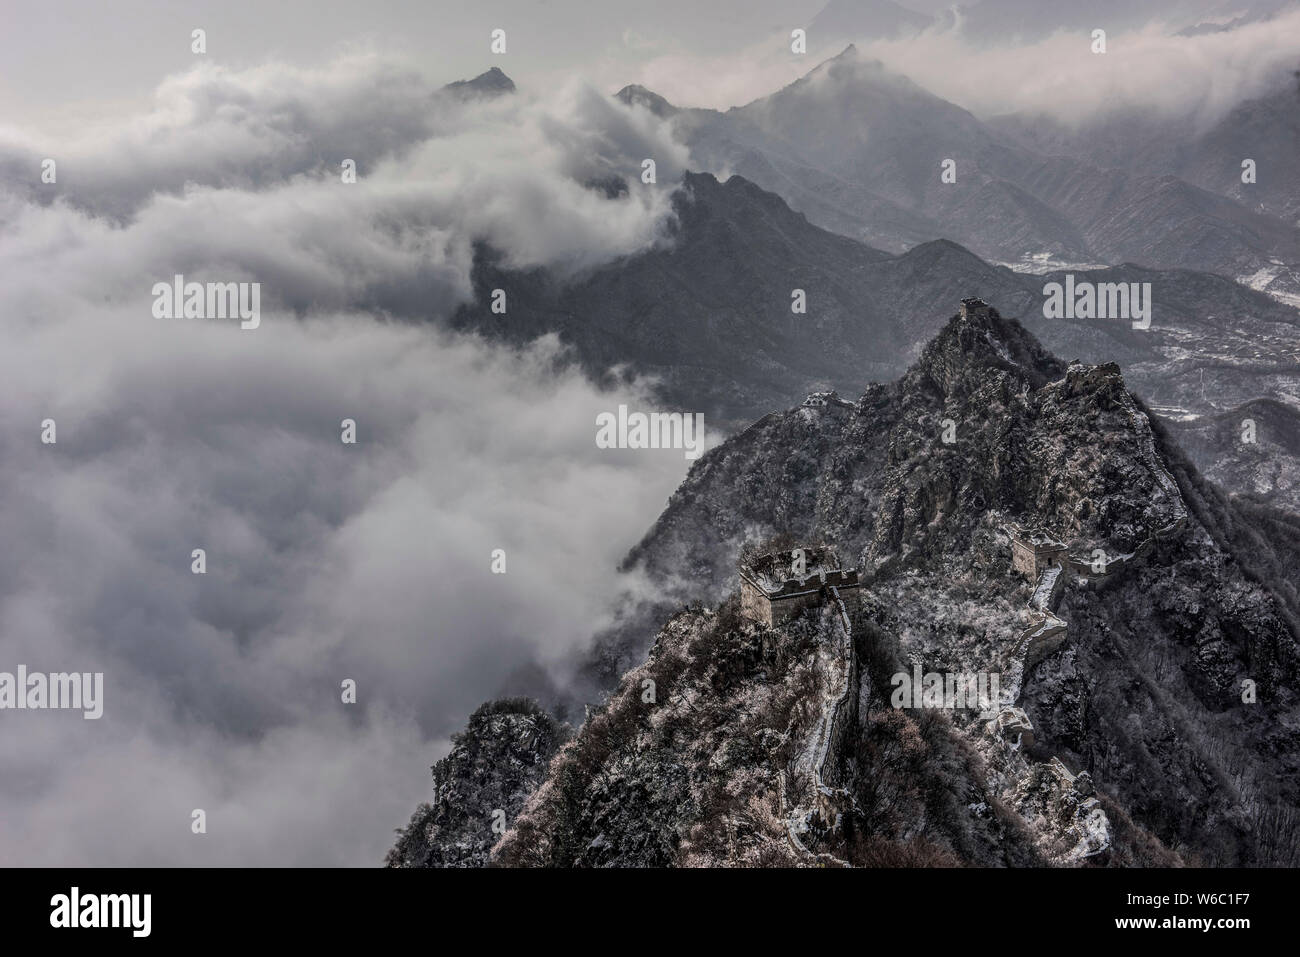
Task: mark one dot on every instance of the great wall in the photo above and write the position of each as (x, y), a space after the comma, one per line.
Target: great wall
(1030, 551)
(821, 801)
(777, 587)
(771, 598)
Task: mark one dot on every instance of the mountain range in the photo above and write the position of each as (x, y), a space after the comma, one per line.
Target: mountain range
(861, 151)
(709, 315)
(835, 190)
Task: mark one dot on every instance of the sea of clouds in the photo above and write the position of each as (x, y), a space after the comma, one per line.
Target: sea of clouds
(325, 561)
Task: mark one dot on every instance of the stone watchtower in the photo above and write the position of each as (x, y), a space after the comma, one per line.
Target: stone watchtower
(1032, 552)
(776, 586)
(975, 308)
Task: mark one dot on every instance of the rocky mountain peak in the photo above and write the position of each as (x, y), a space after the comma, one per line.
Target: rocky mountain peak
(491, 83)
(979, 339)
(636, 95)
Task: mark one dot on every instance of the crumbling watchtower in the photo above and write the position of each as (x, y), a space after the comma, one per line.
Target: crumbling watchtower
(1033, 552)
(776, 586)
(974, 308)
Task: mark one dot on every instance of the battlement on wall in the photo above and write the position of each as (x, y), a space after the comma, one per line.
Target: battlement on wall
(778, 571)
(826, 400)
(839, 578)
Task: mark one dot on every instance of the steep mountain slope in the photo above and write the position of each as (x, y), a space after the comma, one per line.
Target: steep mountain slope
(1213, 344)
(495, 763)
(1253, 449)
(722, 769)
(710, 313)
(1147, 694)
(859, 150)
(855, 138)
(1265, 129)
(1168, 676)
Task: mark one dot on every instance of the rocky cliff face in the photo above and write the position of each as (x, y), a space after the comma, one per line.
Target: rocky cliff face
(494, 764)
(1031, 439)
(1145, 711)
(1157, 650)
(739, 745)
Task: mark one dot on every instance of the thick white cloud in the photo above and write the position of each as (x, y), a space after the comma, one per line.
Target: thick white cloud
(325, 561)
(263, 148)
(1200, 77)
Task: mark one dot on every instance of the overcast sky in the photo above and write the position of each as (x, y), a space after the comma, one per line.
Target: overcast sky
(66, 57)
(65, 63)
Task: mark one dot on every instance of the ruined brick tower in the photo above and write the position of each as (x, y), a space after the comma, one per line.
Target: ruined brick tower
(973, 308)
(775, 587)
(1032, 552)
